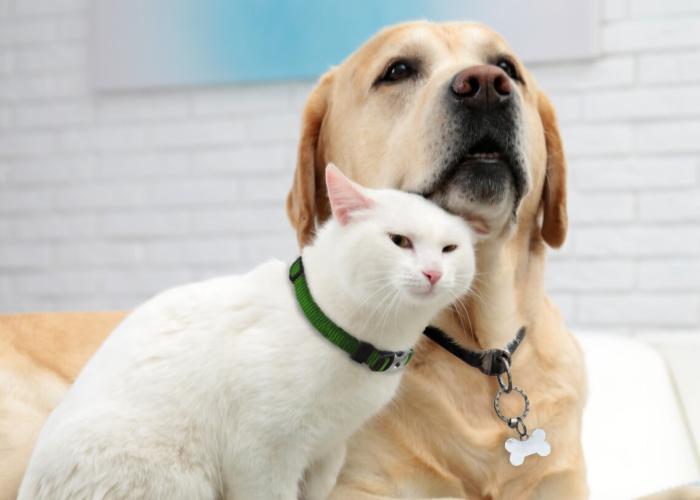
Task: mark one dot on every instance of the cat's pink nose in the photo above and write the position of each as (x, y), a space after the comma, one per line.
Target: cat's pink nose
(433, 276)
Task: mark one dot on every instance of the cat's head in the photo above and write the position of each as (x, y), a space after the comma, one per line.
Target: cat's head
(394, 246)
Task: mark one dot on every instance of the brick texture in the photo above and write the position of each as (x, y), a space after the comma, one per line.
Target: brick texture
(106, 198)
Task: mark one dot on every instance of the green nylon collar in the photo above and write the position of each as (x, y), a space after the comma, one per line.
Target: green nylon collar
(359, 351)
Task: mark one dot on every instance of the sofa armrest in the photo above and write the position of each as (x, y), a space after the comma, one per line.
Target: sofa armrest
(681, 351)
(635, 435)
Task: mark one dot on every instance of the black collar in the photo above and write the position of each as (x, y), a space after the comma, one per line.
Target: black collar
(490, 362)
(495, 362)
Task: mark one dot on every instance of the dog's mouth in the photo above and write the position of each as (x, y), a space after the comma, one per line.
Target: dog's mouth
(488, 167)
(484, 172)
(486, 149)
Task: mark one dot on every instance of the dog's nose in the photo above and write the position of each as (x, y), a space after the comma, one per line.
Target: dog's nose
(482, 87)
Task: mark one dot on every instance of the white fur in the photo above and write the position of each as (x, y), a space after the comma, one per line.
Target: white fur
(222, 389)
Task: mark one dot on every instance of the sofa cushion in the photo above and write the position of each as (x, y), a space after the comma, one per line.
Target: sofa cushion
(635, 437)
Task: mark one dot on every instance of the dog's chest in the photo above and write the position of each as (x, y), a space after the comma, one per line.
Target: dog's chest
(477, 458)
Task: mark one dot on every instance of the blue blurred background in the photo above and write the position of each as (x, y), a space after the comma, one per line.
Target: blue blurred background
(175, 42)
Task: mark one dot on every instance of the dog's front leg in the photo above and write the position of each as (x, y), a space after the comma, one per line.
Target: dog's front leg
(569, 484)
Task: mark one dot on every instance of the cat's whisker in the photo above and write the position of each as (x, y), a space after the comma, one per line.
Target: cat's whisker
(361, 306)
(385, 311)
(384, 279)
(377, 309)
(458, 302)
(483, 273)
(375, 317)
(459, 305)
(480, 300)
(456, 307)
(471, 291)
(479, 280)
(375, 313)
(396, 311)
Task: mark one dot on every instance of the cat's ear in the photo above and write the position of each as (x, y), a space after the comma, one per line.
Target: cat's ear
(345, 196)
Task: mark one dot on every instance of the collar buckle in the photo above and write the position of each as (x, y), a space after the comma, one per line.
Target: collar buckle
(296, 270)
(390, 361)
(381, 361)
(401, 359)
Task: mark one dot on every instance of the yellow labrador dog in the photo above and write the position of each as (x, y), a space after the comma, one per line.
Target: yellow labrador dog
(448, 111)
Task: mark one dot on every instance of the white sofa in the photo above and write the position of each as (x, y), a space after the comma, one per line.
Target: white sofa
(641, 429)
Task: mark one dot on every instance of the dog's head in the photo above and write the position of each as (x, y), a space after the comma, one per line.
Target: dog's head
(444, 110)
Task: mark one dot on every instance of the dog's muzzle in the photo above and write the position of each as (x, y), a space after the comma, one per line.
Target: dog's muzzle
(481, 162)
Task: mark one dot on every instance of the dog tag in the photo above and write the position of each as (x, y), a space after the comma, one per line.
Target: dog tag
(531, 445)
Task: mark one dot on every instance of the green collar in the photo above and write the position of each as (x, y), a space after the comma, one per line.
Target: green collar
(359, 351)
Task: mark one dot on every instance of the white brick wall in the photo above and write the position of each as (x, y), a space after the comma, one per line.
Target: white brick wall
(106, 198)
(632, 132)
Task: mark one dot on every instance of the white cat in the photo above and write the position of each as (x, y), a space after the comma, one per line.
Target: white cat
(224, 389)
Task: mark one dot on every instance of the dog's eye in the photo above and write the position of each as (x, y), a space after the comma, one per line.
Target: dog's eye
(398, 71)
(449, 248)
(401, 241)
(509, 68)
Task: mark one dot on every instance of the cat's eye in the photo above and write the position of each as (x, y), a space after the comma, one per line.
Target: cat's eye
(449, 248)
(401, 241)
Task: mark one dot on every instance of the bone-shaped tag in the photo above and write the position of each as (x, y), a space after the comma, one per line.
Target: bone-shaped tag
(519, 449)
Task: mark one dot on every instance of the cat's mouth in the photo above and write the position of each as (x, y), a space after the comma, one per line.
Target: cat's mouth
(424, 293)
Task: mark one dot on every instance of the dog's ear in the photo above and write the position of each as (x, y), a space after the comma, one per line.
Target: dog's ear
(555, 219)
(308, 188)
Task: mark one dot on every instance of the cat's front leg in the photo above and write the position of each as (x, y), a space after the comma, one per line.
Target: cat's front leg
(321, 475)
(278, 479)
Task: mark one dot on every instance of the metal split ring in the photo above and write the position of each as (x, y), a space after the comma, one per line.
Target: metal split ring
(518, 424)
(505, 387)
(509, 420)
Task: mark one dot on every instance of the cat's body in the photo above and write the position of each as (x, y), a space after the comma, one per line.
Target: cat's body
(222, 389)
(223, 409)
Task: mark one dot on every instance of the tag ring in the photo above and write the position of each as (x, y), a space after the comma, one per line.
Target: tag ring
(508, 420)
